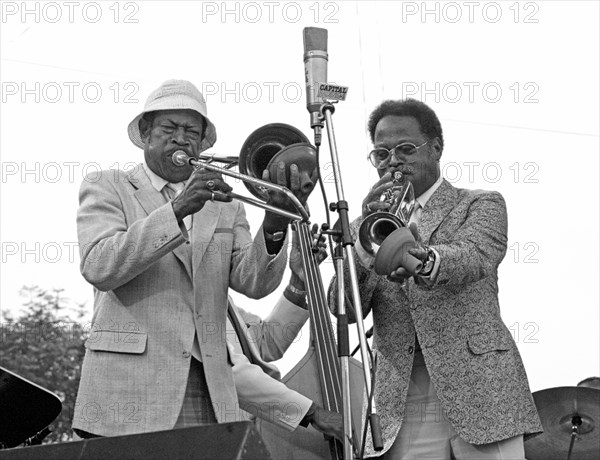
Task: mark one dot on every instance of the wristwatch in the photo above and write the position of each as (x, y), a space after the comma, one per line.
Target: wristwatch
(428, 264)
(277, 236)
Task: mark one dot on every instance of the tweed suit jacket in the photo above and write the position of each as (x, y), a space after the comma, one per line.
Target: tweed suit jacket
(155, 287)
(469, 352)
(257, 382)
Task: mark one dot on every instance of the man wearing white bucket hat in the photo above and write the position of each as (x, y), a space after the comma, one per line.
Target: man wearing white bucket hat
(161, 264)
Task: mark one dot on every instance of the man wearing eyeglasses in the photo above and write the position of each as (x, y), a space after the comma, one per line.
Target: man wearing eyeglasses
(449, 382)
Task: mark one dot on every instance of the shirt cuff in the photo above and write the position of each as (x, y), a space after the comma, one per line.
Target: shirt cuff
(365, 259)
(308, 415)
(297, 299)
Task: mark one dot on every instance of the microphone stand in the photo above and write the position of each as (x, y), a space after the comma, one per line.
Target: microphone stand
(341, 206)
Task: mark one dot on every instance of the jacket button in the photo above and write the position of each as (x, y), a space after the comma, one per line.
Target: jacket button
(411, 349)
(186, 354)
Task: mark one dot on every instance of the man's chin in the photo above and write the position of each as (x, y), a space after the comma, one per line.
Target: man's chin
(176, 174)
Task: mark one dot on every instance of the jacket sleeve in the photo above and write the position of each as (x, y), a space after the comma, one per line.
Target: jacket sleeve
(479, 244)
(263, 396)
(254, 272)
(273, 335)
(112, 250)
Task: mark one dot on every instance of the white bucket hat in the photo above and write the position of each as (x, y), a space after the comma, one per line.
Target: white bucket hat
(173, 95)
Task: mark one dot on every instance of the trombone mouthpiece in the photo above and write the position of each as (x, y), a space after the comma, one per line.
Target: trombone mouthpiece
(180, 158)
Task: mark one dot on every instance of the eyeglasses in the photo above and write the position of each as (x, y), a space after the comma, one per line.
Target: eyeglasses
(381, 157)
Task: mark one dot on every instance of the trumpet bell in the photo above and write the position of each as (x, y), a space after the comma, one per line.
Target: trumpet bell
(376, 227)
(267, 146)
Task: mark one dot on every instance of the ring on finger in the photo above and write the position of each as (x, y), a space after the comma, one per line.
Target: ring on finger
(212, 196)
(210, 184)
(369, 207)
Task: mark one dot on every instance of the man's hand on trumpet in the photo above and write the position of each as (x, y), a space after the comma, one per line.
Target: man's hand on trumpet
(202, 186)
(372, 201)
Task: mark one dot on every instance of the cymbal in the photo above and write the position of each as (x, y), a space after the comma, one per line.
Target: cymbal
(558, 409)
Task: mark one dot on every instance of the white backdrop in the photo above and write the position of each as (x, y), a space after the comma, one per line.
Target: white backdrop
(515, 85)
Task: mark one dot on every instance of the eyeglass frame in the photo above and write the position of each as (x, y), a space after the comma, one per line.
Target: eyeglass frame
(392, 152)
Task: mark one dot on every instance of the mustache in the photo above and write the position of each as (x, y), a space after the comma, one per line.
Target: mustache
(404, 169)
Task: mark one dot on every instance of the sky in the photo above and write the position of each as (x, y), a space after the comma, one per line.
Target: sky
(515, 85)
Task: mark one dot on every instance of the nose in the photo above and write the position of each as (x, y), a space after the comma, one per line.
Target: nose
(179, 137)
(396, 159)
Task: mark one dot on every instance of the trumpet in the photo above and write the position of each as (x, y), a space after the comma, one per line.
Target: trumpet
(376, 227)
(263, 149)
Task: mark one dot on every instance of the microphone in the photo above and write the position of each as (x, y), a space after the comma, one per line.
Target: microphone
(315, 72)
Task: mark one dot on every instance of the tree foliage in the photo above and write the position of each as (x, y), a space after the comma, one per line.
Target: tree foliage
(43, 346)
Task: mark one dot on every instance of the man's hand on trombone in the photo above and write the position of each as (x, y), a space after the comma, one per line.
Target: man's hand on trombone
(298, 278)
(202, 186)
(301, 184)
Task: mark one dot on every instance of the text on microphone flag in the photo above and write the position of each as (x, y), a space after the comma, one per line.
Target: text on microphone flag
(329, 91)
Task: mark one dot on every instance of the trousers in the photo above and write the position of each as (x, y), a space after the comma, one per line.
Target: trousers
(426, 433)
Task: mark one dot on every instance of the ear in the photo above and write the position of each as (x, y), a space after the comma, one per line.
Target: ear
(144, 126)
(436, 149)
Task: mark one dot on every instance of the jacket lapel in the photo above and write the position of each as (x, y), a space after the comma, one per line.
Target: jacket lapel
(436, 209)
(150, 199)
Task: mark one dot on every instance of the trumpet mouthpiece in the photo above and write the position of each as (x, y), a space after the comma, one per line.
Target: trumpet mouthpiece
(397, 176)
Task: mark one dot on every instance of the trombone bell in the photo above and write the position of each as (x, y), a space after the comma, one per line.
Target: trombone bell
(265, 147)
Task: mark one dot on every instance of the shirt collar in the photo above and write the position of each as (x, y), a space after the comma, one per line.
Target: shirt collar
(424, 197)
(157, 182)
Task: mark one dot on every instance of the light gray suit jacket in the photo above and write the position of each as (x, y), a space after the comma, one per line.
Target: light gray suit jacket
(153, 291)
(469, 352)
(257, 380)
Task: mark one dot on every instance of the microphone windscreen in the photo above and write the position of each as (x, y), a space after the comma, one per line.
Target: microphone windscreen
(315, 38)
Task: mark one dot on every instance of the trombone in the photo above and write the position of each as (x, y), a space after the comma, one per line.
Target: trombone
(265, 147)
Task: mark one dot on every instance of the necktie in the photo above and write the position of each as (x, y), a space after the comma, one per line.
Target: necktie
(416, 214)
(172, 191)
